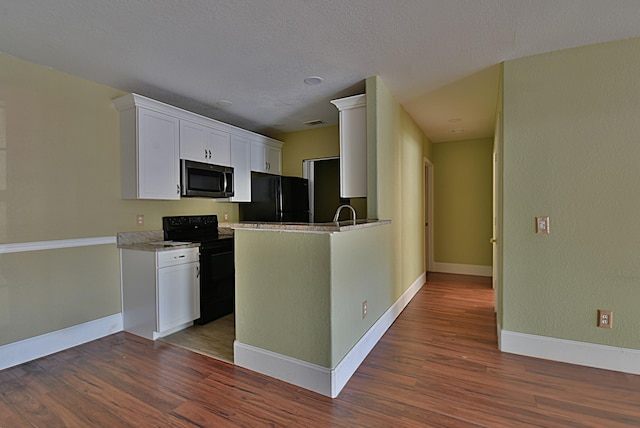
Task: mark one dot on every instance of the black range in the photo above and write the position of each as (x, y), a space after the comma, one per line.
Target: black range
(217, 273)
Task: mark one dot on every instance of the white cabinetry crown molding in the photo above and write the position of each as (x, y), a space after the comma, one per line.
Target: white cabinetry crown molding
(134, 100)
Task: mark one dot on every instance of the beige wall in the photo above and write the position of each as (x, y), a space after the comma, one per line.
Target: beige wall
(571, 153)
(314, 143)
(462, 202)
(60, 179)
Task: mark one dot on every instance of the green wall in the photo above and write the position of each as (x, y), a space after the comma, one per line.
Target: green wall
(462, 202)
(283, 302)
(377, 265)
(396, 151)
(300, 294)
(60, 179)
(571, 152)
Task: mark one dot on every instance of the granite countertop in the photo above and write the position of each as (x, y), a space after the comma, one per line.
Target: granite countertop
(151, 240)
(331, 227)
(160, 246)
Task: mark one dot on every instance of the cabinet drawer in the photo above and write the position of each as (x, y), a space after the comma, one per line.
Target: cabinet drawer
(175, 257)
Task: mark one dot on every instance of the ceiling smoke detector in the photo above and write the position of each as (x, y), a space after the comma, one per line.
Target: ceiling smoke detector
(314, 122)
(313, 80)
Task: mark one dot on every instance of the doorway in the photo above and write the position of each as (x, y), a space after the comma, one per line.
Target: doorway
(324, 191)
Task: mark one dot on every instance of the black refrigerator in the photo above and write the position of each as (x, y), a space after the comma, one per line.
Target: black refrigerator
(277, 198)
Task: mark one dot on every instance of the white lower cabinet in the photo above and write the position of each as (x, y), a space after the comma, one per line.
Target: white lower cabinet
(160, 291)
(178, 301)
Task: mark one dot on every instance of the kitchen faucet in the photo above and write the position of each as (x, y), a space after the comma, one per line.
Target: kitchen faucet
(353, 211)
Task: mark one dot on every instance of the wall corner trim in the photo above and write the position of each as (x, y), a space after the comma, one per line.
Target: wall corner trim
(36, 347)
(573, 352)
(323, 380)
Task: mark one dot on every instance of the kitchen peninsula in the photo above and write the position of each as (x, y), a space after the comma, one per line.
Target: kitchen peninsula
(306, 297)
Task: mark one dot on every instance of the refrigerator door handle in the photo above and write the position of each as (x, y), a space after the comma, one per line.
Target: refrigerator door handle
(279, 199)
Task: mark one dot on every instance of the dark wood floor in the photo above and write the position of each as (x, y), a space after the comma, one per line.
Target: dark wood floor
(438, 365)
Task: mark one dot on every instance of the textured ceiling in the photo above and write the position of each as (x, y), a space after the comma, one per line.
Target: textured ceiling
(437, 57)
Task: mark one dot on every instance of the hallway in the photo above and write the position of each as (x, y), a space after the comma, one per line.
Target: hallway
(438, 365)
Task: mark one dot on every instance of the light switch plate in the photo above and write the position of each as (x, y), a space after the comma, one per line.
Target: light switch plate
(542, 224)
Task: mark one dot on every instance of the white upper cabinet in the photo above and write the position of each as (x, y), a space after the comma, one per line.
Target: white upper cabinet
(266, 156)
(149, 152)
(204, 144)
(241, 163)
(353, 146)
(154, 137)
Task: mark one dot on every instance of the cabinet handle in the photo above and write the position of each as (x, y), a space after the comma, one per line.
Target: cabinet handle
(178, 188)
(198, 271)
(205, 154)
(210, 156)
(180, 257)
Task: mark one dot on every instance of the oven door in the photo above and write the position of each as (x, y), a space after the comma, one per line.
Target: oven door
(217, 280)
(204, 180)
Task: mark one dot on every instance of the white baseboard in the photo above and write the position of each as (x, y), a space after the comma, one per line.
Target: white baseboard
(325, 381)
(20, 352)
(301, 373)
(475, 270)
(573, 352)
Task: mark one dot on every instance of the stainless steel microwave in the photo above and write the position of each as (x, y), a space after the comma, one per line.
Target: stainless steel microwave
(203, 180)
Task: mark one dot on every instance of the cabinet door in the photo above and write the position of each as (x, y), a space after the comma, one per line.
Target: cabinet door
(265, 158)
(178, 295)
(203, 144)
(258, 161)
(158, 156)
(273, 158)
(193, 142)
(219, 146)
(241, 163)
(353, 146)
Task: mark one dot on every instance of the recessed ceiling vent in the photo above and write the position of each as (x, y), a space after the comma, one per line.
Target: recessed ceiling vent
(314, 122)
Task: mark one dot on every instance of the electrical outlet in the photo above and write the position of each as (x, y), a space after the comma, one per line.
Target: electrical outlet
(605, 318)
(542, 224)
(225, 216)
(364, 309)
(140, 220)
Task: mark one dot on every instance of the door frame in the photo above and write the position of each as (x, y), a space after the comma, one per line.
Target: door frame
(308, 172)
(428, 214)
(496, 239)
